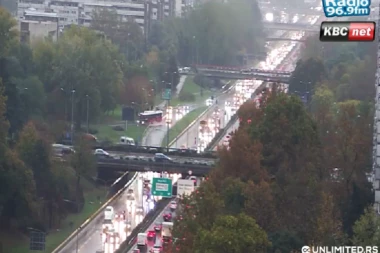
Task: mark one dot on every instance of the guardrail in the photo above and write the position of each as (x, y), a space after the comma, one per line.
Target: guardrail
(96, 215)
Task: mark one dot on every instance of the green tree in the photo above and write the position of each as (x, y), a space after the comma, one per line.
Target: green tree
(84, 164)
(366, 229)
(126, 34)
(90, 66)
(17, 186)
(8, 33)
(305, 76)
(226, 236)
(35, 152)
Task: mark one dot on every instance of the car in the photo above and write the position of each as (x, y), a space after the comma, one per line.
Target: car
(167, 217)
(139, 210)
(109, 213)
(157, 227)
(173, 205)
(100, 151)
(156, 249)
(151, 234)
(159, 157)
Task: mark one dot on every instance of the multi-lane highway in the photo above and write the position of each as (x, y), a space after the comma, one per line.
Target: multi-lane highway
(95, 239)
(226, 111)
(158, 238)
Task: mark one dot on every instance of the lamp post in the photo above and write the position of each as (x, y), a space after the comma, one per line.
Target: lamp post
(88, 112)
(72, 115)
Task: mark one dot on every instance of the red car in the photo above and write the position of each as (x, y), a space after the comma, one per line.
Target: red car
(168, 217)
(151, 234)
(157, 227)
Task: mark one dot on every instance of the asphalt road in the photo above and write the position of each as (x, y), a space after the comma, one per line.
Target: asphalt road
(93, 239)
(191, 139)
(158, 238)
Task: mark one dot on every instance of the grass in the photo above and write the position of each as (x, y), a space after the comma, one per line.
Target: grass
(107, 133)
(188, 87)
(19, 243)
(183, 123)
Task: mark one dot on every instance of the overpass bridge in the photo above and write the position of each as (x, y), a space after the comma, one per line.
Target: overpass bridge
(242, 76)
(114, 165)
(292, 27)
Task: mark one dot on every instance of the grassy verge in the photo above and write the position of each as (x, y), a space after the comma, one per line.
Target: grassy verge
(18, 243)
(183, 123)
(188, 87)
(106, 132)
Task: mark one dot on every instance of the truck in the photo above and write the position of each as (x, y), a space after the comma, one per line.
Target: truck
(141, 239)
(167, 231)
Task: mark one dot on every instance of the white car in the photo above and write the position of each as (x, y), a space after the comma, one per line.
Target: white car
(173, 205)
(100, 151)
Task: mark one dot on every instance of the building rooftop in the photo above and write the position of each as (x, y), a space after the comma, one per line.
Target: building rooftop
(40, 14)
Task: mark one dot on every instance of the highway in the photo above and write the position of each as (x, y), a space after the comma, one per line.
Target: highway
(95, 240)
(192, 135)
(158, 237)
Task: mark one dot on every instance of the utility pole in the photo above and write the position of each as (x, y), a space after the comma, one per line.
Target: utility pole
(72, 115)
(88, 113)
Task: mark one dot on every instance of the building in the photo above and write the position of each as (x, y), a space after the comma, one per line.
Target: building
(35, 25)
(79, 11)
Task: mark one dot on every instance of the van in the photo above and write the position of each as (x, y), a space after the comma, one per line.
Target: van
(109, 213)
(124, 140)
(141, 239)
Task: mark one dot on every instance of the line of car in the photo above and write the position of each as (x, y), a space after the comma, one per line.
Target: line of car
(158, 157)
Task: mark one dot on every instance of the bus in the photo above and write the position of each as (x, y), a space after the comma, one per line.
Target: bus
(149, 117)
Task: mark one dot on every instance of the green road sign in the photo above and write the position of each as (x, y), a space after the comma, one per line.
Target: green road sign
(167, 94)
(162, 187)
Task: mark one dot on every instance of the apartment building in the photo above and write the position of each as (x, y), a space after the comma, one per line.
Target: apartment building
(79, 11)
(35, 25)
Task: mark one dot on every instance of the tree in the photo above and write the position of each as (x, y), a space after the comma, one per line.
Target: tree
(366, 229)
(329, 226)
(206, 36)
(35, 152)
(8, 35)
(225, 236)
(306, 75)
(17, 187)
(126, 34)
(84, 164)
(259, 197)
(89, 65)
(139, 92)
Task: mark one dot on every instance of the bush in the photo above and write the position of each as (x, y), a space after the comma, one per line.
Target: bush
(93, 131)
(118, 128)
(186, 97)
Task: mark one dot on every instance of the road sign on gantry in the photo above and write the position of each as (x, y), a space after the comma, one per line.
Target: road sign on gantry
(185, 187)
(162, 187)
